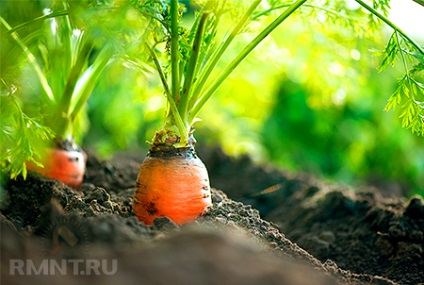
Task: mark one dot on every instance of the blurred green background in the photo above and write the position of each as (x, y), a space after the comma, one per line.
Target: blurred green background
(308, 99)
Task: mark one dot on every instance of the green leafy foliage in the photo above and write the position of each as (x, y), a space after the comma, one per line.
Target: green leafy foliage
(381, 6)
(411, 110)
(21, 136)
(55, 68)
(409, 95)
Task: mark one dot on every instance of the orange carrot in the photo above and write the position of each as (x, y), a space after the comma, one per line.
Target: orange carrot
(67, 166)
(172, 184)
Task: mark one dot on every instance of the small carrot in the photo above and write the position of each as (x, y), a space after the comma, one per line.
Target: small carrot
(67, 166)
(67, 70)
(173, 184)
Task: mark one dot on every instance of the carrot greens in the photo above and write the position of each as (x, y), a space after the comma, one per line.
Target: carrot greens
(67, 62)
(187, 59)
(56, 56)
(193, 56)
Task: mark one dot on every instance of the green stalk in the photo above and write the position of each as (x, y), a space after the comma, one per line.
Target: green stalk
(174, 110)
(175, 52)
(62, 122)
(188, 80)
(192, 34)
(168, 93)
(210, 48)
(60, 53)
(88, 80)
(220, 51)
(241, 56)
(38, 19)
(391, 24)
(193, 29)
(66, 36)
(43, 80)
(173, 118)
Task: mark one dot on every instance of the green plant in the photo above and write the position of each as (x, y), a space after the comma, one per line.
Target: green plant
(410, 93)
(66, 60)
(193, 54)
(186, 61)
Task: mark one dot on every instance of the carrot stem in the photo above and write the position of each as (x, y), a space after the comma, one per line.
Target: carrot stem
(89, 80)
(161, 73)
(74, 75)
(63, 117)
(175, 52)
(188, 80)
(174, 110)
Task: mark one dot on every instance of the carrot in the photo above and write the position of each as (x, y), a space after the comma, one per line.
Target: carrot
(173, 184)
(67, 166)
(172, 180)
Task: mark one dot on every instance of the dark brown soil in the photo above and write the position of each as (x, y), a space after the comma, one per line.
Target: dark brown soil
(347, 237)
(360, 231)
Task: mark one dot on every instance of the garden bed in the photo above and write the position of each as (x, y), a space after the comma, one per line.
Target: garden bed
(307, 232)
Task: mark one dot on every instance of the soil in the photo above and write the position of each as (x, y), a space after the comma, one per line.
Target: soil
(266, 226)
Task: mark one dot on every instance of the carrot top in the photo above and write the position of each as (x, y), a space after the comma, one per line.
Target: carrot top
(189, 72)
(66, 60)
(193, 55)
